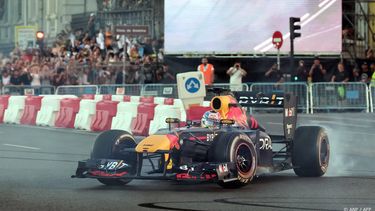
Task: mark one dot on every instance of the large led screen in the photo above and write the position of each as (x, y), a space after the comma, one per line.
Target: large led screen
(246, 26)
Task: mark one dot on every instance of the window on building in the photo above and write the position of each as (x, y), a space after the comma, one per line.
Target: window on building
(2, 10)
(19, 9)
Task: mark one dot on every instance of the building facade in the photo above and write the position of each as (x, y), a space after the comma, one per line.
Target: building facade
(50, 16)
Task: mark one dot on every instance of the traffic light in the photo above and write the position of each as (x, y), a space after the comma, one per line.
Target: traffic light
(39, 35)
(40, 40)
(294, 25)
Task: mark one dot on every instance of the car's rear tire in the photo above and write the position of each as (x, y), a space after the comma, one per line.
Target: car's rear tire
(238, 148)
(108, 145)
(311, 151)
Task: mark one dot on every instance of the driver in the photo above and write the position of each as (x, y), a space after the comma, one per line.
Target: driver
(211, 119)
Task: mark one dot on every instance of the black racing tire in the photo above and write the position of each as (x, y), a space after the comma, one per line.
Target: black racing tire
(108, 145)
(311, 151)
(238, 148)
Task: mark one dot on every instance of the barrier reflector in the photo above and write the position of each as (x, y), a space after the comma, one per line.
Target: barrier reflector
(32, 106)
(88, 96)
(146, 99)
(103, 97)
(69, 107)
(4, 100)
(105, 111)
(195, 113)
(127, 98)
(141, 123)
(13, 113)
(126, 111)
(168, 101)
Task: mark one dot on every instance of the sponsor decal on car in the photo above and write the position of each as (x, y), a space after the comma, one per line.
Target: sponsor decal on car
(112, 165)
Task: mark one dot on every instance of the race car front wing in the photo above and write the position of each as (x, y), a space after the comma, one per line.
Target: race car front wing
(119, 169)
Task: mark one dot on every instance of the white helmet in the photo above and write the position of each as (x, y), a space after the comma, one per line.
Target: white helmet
(210, 119)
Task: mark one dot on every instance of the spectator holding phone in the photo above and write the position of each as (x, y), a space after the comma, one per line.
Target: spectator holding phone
(274, 75)
(340, 75)
(317, 72)
(236, 74)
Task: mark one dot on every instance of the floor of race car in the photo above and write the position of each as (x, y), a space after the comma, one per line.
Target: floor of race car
(36, 164)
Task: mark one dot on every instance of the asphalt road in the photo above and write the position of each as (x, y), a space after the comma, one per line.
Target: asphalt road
(36, 165)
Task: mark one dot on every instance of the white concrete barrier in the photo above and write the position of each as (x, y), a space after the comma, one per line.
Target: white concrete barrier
(15, 108)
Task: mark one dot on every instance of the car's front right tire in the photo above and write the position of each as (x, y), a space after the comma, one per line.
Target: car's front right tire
(311, 151)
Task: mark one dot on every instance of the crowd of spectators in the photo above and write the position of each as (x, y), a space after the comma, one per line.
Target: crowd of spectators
(340, 73)
(83, 57)
(108, 5)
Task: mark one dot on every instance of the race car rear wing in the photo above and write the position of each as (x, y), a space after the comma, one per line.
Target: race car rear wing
(286, 101)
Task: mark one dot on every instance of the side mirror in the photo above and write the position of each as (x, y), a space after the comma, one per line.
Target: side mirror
(172, 120)
(227, 122)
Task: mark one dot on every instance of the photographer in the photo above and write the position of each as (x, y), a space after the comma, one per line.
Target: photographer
(274, 75)
(236, 74)
(317, 72)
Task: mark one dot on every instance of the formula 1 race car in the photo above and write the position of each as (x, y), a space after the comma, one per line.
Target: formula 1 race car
(230, 154)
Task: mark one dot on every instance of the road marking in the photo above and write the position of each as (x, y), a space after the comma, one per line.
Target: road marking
(274, 123)
(339, 123)
(20, 146)
(360, 119)
(358, 133)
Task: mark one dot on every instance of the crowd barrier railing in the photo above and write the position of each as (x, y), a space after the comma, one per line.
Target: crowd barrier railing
(27, 90)
(160, 90)
(299, 89)
(77, 90)
(325, 96)
(233, 87)
(339, 96)
(119, 89)
(372, 96)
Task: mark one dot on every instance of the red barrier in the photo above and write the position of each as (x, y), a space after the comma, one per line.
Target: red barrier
(141, 124)
(105, 111)
(4, 99)
(196, 112)
(69, 107)
(88, 97)
(146, 99)
(127, 98)
(168, 101)
(32, 106)
(107, 97)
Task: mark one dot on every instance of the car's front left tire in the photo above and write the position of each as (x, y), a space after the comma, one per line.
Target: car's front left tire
(109, 145)
(239, 149)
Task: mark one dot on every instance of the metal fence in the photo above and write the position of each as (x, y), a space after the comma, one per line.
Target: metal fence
(126, 89)
(339, 96)
(232, 87)
(77, 90)
(372, 96)
(299, 89)
(27, 90)
(160, 90)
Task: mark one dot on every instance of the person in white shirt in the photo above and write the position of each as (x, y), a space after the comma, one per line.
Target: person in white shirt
(236, 74)
(35, 74)
(5, 78)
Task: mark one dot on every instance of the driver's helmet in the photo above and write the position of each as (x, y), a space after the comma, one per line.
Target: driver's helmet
(211, 119)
